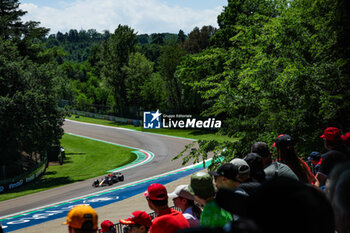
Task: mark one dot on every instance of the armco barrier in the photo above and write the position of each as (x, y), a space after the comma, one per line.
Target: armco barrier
(107, 117)
(27, 177)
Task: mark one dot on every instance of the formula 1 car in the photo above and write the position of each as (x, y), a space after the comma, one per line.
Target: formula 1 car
(110, 179)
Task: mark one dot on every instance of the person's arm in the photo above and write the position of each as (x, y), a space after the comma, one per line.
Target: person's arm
(320, 179)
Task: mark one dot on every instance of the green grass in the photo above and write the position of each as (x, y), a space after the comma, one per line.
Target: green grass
(85, 159)
(185, 133)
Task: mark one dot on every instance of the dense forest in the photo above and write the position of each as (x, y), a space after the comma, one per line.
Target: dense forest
(271, 67)
(123, 73)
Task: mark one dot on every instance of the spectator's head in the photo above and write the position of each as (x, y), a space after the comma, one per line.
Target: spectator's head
(157, 197)
(243, 169)
(182, 198)
(256, 165)
(314, 157)
(138, 222)
(202, 187)
(262, 149)
(82, 218)
(332, 138)
(289, 206)
(285, 148)
(339, 192)
(107, 227)
(226, 176)
(346, 138)
(283, 141)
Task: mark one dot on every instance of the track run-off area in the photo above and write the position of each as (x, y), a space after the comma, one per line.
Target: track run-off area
(153, 164)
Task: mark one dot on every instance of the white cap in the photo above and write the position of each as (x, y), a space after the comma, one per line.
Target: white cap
(181, 191)
(243, 167)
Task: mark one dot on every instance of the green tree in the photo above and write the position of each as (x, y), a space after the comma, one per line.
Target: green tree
(169, 59)
(138, 71)
(153, 93)
(181, 37)
(30, 120)
(285, 74)
(115, 54)
(245, 13)
(157, 38)
(199, 39)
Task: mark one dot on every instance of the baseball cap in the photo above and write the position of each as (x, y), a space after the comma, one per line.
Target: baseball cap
(156, 192)
(181, 191)
(138, 217)
(82, 215)
(106, 226)
(315, 155)
(201, 185)
(227, 170)
(283, 140)
(242, 165)
(256, 165)
(331, 134)
(346, 138)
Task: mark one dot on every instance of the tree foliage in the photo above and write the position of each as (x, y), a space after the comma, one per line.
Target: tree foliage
(115, 55)
(283, 71)
(29, 76)
(198, 39)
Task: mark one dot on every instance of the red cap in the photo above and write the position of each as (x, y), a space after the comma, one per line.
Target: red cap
(106, 226)
(331, 134)
(156, 192)
(346, 138)
(138, 217)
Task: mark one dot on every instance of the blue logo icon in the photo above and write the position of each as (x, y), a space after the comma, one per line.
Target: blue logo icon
(152, 120)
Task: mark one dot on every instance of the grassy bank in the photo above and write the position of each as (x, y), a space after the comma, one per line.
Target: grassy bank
(85, 159)
(185, 133)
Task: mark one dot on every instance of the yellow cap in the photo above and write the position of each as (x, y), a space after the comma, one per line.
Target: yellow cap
(80, 214)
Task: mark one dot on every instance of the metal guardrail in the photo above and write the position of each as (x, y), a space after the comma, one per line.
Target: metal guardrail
(107, 117)
(119, 226)
(29, 176)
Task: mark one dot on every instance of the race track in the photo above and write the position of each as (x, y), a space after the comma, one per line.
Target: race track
(163, 147)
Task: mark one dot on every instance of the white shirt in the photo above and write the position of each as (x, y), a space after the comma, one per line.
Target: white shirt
(192, 220)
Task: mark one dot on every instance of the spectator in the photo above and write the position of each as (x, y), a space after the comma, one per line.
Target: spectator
(230, 195)
(243, 169)
(1, 231)
(227, 177)
(315, 160)
(289, 206)
(346, 139)
(167, 219)
(339, 192)
(138, 222)
(272, 168)
(286, 154)
(337, 153)
(256, 165)
(107, 227)
(247, 183)
(82, 219)
(203, 189)
(184, 200)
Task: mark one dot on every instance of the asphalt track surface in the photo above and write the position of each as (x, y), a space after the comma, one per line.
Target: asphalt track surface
(163, 147)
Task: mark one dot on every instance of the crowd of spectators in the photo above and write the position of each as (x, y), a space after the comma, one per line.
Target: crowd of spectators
(253, 194)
